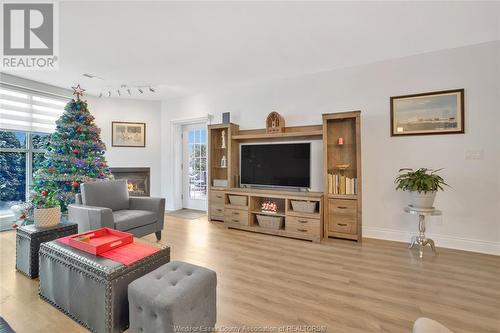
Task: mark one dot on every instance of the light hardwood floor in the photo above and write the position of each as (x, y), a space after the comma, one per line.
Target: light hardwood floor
(376, 286)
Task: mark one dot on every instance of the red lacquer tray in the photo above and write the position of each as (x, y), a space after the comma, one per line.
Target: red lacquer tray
(100, 240)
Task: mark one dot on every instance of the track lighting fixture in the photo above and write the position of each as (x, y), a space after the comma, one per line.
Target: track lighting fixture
(129, 89)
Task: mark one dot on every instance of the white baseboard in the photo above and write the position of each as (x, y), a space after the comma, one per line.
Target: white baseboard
(450, 242)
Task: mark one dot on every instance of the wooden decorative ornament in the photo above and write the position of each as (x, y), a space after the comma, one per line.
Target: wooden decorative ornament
(275, 123)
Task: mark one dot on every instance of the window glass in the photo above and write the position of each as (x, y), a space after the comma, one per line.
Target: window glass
(39, 140)
(12, 139)
(12, 185)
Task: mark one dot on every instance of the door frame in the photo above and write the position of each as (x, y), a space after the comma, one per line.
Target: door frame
(196, 203)
(173, 184)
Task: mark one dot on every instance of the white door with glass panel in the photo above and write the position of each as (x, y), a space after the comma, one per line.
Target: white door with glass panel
(194, 166)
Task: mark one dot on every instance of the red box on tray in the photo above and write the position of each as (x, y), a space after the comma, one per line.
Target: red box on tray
(100, 240)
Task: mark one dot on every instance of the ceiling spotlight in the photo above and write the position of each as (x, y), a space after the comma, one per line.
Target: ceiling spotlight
(140, 90)
(92, 76)
(151, 89)
(119, 93)
(109, 93)
(100, 94)
(129, 92)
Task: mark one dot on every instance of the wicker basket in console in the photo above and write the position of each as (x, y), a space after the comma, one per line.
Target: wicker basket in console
(270, 222)
(238, 200)
(304, 206)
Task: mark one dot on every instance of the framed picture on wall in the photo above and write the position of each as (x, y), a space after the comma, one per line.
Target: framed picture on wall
(439, 112)
(127, 134)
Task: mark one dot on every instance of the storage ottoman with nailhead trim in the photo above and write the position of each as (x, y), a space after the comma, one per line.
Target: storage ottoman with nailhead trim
(91, 289)
(177, 297)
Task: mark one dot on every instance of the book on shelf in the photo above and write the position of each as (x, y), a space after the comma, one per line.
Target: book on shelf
(341, 184)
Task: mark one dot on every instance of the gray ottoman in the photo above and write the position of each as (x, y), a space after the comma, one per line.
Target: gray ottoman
(175, 297)
(91, 289)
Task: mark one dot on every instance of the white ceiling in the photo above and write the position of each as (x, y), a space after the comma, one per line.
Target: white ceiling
(191, 47)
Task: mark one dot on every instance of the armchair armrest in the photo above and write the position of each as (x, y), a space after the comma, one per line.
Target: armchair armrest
(90, 217)
(147, 203)
(156, 205)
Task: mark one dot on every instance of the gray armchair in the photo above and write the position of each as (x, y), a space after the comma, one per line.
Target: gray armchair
(107, 204)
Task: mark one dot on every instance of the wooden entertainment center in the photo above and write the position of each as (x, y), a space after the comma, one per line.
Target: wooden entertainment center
(334, 212)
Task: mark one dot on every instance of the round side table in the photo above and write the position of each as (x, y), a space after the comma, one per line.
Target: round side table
(421, 240)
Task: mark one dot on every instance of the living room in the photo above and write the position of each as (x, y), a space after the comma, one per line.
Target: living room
(250, 166)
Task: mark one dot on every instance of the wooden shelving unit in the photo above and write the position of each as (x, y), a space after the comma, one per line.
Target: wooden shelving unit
(342, 174)
(217, 171)
(338, 213)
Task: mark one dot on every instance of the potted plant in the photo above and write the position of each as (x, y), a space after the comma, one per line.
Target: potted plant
(46, 209)
(422, 185)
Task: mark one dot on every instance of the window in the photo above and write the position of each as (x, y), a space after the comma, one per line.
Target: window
(197, 141)
(26, 119)
(21, 154)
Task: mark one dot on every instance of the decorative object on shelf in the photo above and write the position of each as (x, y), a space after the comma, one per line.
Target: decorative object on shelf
(223, 162)
(275, 123)
(342, 166)
(340, 141)
(75, 154)
(128, 134)
(226, 117)
(304, 206)
(440, 112)
(270, 222)
(422, 185)
(223, 139)
(269, 206)
(421, 240)
(220, 182)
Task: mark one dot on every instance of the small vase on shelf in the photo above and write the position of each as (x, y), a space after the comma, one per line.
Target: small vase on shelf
(223, 139)
(223, 162)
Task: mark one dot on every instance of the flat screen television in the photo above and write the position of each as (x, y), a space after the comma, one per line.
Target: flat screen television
(276, 165)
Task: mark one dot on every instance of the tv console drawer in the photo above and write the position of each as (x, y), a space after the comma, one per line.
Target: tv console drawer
(302, 225)
(217, 198)
(236, 216)
(217, 212)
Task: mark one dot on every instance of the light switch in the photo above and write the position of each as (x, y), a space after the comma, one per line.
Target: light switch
(474, 154)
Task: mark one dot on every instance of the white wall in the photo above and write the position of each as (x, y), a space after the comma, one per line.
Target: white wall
(106, 110)
(471, 218)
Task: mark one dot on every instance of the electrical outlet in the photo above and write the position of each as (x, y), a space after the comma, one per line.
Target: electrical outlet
(474, 154)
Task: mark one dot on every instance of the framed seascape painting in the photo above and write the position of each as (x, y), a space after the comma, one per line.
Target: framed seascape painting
(126, 134)
(440, 112)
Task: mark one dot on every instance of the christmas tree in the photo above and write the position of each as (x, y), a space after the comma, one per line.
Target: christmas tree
(75, 153)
